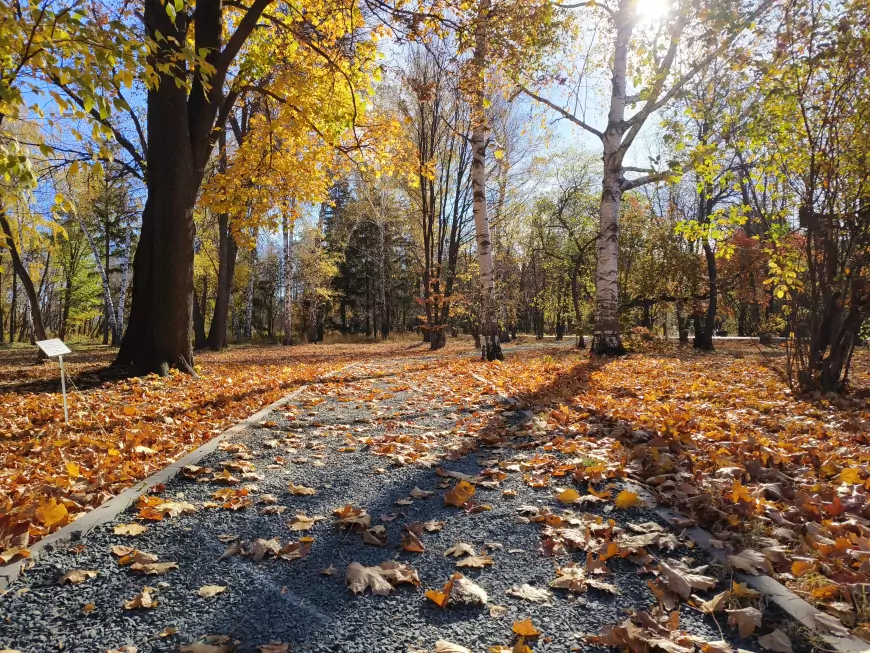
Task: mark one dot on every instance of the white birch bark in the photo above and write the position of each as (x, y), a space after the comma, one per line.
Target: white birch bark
(488, 326)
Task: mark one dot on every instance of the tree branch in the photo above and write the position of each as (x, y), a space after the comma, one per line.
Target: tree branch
(565, 113)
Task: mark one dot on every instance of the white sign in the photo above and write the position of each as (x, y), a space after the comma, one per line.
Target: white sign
(53, 347)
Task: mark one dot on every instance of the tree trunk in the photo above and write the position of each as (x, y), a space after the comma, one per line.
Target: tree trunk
(125, 272)
(35, 314)
(200, 340)
(682, 324)
(488, 327)
(109, 312)
(704, 339)
(288, 280)
(607, 339)
(67, 300)
(12, 307)
(249, 295)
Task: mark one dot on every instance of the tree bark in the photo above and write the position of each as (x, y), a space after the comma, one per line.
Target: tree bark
(288, 280)
(704, 339)
(35, 314)
(249, 294)
(491, 349)
(227, 252)
(606, 338)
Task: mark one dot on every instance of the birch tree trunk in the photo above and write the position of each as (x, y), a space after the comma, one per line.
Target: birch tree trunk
(288, 280)
(107, 292)
(125, 273)
(491, 349)
(606, 338)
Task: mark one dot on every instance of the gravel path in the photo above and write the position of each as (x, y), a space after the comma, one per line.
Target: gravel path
(318, 441)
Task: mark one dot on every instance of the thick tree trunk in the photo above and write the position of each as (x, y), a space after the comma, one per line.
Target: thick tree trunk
(287, 230)
(35, 314)
(491, 349)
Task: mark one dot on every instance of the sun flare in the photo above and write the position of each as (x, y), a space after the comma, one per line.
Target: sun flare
(653, 9)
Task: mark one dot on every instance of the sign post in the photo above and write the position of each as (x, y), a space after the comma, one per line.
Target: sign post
(52, 348)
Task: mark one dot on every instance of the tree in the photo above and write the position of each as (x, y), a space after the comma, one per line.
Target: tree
(706, 31)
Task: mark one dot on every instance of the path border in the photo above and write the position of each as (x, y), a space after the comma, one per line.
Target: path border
(793, 605)
(110, 509)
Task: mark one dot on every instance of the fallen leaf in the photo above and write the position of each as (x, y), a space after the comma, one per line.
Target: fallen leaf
(210, 644)
(154, 568)
(460, 549)
(525, 628)
(460, 494)
(443, 646)
(529, 593)
(627, 499)
(751, 561)
(301, 490)
(375, 536)
(274, 647)
(207, 591)
(746, 620)
(682, 580)
(77, 576)
(141, 600)
(716, 603)
(381, 579)
(132, 530)
(776, 641)
(417, 493)
(477, 562)
(568, 496)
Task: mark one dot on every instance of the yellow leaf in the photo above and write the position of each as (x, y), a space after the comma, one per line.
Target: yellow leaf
(801, 567)
(72, 469)
(460, 494)
(851, 476)
(568, 496)
(525, 629)
(51, 513)
(627, 499)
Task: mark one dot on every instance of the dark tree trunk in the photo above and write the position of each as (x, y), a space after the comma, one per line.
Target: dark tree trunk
(26, 281)
(200, 341)
(158, 336)
(12, 308)
(704, 335)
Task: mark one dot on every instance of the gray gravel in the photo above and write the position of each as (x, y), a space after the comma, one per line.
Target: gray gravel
(277, 600)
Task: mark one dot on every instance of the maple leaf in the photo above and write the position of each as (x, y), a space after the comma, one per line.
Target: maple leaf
(477, 562)
(716, 603)
(154, 568)
(417, 493)
(751, 561)
(746, 620)
(131, 530)
(301, 490)
(529, 593)
(525, 629)
(77, 576)
(627, 499)
(568, 496)
(302, 522)
(210, 644)
(381, 579)
(51, 513)
(355, 518)
(460, 549)
(142, 600)
(776, 641)
(411, 541)
(681, 580)
(376, 536)
(207, 591)
(460, 494)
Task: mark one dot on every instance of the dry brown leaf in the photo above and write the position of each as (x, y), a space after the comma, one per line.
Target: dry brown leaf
(681, 580)
(375, 536)
(77, 576)
(460, 549)
(132, 530)
(154, 568)
(477, 562)
(715, 604)
(207, 591)
(274, 647)
(381, 579)
(142, 600)
(529, 593)
(210, 644)
(746, 620)
(751, 561)
(443, 646)
(776, 641)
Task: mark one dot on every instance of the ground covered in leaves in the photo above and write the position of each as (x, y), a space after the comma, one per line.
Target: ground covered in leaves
(420, 503)
(122, 431)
